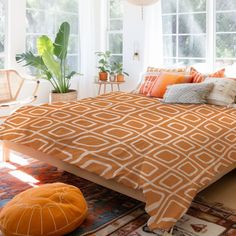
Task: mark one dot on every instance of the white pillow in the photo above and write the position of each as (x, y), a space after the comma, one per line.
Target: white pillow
(223, 93)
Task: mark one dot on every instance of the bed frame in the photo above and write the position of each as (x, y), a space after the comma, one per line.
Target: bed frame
(110, 184)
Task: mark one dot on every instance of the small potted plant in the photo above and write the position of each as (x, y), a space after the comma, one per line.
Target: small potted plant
(112, 72)
(104, 65)
(120, 74)
(52, 64)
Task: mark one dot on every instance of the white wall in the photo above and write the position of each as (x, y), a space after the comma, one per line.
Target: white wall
(133, 35)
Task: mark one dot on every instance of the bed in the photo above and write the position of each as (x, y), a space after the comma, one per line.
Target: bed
(160, 154)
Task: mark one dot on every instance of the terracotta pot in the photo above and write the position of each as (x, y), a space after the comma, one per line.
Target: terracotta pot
(71, 96)
(103, 76)
(120, 78)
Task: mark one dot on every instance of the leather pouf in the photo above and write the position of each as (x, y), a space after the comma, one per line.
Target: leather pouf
(51, 209)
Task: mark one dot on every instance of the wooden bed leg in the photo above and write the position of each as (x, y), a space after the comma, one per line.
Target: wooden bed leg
(5, 153)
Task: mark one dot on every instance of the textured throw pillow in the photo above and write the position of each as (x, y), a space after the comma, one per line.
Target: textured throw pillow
(223, 93)
(199, 77)
(147, 82)
(159, 87)
(196, 93)
(153, 69)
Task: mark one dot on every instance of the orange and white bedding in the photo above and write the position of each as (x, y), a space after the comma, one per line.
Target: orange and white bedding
(169, 152)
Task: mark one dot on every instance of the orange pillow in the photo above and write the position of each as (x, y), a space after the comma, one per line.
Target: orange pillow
(159, 87)
(153, 69)
(218, 74)
(199, 77)
(148, 82)
(51, 209)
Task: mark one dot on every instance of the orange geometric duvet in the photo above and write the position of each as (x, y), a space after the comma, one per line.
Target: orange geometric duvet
(169, 152)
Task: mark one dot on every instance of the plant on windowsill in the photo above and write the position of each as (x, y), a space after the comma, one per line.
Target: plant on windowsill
(51, 62)
(120, 73)
(104, 65)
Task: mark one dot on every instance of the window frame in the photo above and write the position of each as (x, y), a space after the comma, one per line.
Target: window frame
(54, 13)
(222, 33)
(211, 35)
(4, 54)
(114, 32)
(178, 58)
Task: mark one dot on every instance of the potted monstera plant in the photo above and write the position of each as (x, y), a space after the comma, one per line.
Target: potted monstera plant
(51, 63)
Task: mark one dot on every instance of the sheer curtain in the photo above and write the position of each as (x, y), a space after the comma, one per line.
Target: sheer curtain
(88, 25)
(153, 42)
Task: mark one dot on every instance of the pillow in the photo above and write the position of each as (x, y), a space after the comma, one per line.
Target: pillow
(199, 77)
(196, 93)
(159, 87)
(218, 74)
(223, 93)
(153, 69)
(147, 83)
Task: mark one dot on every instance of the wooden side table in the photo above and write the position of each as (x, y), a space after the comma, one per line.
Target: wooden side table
(107, 83)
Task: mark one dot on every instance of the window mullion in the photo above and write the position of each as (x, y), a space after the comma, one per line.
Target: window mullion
(177, 31)
(210, 46)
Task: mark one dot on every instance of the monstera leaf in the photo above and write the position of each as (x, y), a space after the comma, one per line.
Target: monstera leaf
(46, 50)
(51, 59)
(61, 41)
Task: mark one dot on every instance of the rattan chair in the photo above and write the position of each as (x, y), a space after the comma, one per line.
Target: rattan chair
(11, 84)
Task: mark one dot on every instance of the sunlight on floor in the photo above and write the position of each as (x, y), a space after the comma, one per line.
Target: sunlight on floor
(7, 165)
(23, 177)
(17, 160)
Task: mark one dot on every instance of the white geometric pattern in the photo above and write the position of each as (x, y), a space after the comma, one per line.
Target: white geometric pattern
(168, 151)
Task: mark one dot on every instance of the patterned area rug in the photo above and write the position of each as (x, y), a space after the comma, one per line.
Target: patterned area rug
(114, 214)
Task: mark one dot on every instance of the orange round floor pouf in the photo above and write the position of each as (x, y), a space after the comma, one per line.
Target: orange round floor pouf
(51, 209)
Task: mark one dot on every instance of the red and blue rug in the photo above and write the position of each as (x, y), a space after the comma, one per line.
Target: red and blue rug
(114, 214)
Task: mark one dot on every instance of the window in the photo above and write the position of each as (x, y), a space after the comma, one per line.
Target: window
(115, 29)
(2, 32)
(184, 31)
(45, 17)
(225, 32)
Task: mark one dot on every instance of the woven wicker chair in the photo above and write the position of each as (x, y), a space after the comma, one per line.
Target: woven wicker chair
(11, 84)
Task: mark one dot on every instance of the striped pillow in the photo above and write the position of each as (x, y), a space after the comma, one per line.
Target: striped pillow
(148, 83)
(199, 77)
(218, 74)
(153, 69)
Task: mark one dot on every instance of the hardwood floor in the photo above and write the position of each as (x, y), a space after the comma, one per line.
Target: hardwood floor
(223, 191)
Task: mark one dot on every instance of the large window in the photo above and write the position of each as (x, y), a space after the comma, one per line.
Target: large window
(199, 31)
(184, 31)
(225, 32)
(45, 17)
(2, 32)
(115, 29)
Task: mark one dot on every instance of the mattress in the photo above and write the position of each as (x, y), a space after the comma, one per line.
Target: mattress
(169, 152)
